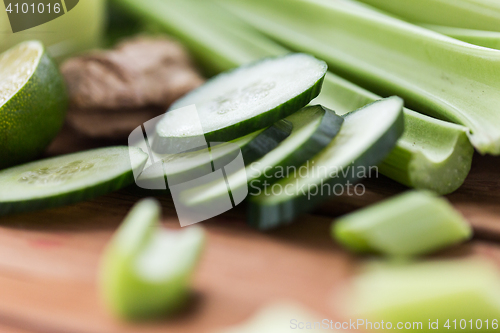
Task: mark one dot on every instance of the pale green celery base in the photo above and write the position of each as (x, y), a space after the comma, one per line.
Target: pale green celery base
(435, 74)
(477, 14)
(432, 154)
(490, 39)
(414, 223)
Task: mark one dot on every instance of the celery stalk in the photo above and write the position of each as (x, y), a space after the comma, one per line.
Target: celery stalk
(217, 44)
(435, 74)
(439, 296)
(432, 154)
(470, 14)
(145, 269)
(413, 223)
(490, 39)
(438, 158)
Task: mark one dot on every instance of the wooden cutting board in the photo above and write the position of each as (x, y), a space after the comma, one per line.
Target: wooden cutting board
(49, 260)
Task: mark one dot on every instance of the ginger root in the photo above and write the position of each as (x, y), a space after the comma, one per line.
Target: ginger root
(114, 91)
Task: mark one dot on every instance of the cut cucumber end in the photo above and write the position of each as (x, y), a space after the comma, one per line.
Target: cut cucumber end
(364, 140)
(415, 223)
(68, 179)
(145, 270)
(241, 101)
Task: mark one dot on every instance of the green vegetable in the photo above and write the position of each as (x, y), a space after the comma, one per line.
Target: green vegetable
(469, 14)
(145, 269)
(431, 154)
(422, 158)
(435, 74)
(217, 40)
(365, 139)
(68, 179)
(33, 103)
(241, 101)
(180, 168)
(413, 223)
(314, 128)
(490, 39)
(452, 296)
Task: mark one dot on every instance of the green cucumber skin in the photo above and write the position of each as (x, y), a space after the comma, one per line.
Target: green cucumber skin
(329, 128)
(252, 124)
(266, 141)
(265, 217)
(51, 107)
(67, 198)
(7, 208)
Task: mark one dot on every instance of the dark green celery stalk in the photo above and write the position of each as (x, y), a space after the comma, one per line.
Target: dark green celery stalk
(435, 74)
(421, 159)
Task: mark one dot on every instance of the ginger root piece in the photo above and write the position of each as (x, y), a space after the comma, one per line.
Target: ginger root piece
(114, 91)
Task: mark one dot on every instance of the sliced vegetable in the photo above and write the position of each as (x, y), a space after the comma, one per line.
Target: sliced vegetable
(413, 223)
(437, 293)
(365, 139)
(241, 101)
(217, 40)
(432, 154)
(470, 14)
(33, 102)
(180, 168)
(282, 317)
(145, 269)
(391, 57)
(490, 39)
(314, 128)
(68, 179)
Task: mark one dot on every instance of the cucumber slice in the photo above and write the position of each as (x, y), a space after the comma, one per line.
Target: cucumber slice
(365, 139)
(414, 223)
(145, 269)
(68, 179)
(241, 101)
(314, 127)
(180, 168)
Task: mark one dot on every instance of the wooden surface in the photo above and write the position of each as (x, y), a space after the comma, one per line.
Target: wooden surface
(49, 260)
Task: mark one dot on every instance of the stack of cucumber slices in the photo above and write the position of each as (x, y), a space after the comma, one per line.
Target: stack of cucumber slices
(258, 111)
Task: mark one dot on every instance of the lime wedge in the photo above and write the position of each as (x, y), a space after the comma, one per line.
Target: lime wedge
(33, 102)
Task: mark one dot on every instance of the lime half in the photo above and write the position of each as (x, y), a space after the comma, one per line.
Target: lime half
(33, 102)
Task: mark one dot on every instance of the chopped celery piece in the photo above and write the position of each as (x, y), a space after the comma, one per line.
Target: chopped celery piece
(218, 44)
(435, 74)
(490, 39)
(425, 293)
(282, 317)
(470, 14)
(413, 223)
(432, 154)
(145, 269)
